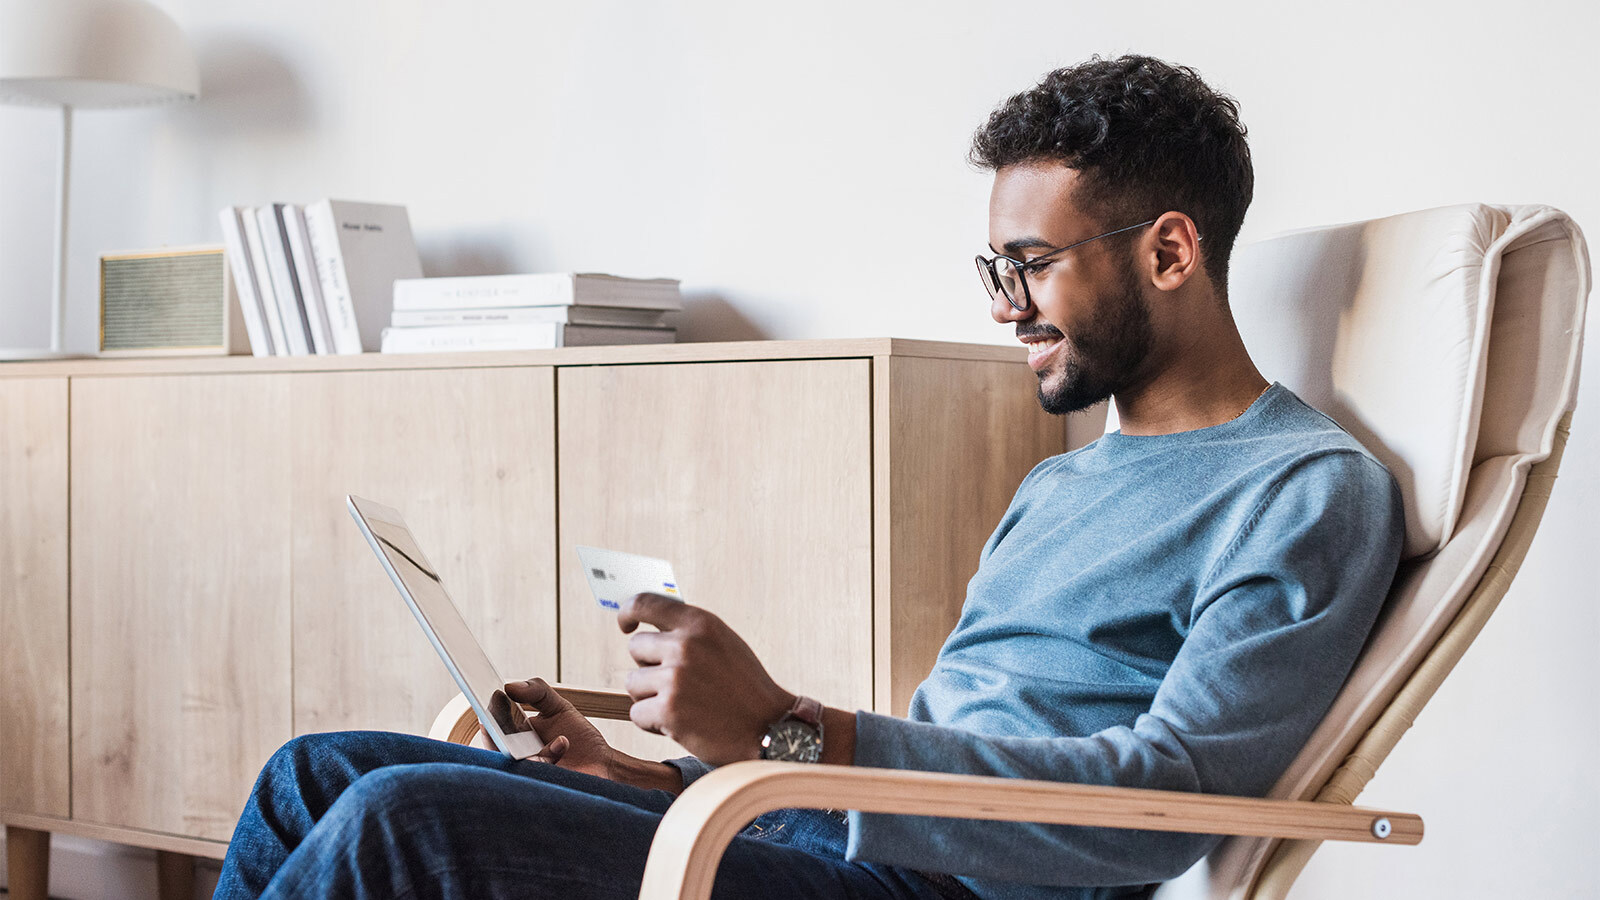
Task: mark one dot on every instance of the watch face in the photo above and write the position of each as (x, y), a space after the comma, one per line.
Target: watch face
(792, 741)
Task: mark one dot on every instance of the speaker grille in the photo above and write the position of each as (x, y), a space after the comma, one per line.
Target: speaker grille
(151, 302)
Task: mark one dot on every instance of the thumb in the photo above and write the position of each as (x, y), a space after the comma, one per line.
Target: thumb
(554, 750)
(537, 693)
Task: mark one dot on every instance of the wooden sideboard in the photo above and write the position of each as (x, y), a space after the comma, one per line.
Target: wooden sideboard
(182, 590)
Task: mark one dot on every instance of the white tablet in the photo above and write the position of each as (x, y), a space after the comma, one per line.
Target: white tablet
(504, 721)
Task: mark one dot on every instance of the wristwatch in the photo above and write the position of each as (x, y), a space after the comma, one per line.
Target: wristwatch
(797, 737)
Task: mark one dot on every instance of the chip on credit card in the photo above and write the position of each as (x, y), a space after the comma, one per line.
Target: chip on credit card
(615, 576)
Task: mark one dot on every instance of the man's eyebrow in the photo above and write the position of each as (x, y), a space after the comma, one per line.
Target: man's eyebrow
(1013, 247)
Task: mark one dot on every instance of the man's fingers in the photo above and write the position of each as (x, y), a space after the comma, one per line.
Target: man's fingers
(652, 648)
(665, 613)
(649, 715)
(644, 683)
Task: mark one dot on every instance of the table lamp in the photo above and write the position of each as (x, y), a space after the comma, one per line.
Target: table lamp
(87, 54)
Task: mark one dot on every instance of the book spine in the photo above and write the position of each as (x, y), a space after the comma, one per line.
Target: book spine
(305, 275)
(574, 315)
(289, 312)
(269, 300)
(483, 292)
(322, 234)
(613, 292)
(453, 338)
(423, 318)
(244, 280)
(604, 335)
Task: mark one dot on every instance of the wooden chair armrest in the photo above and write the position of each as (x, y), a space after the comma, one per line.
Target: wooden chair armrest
(698, 827)
(458, 724)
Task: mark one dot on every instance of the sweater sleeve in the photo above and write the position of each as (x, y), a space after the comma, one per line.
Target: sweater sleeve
(1272, 635)
(689, 767)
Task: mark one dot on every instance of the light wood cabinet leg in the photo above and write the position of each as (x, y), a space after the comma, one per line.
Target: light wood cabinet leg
(174, 876)
(27, 863)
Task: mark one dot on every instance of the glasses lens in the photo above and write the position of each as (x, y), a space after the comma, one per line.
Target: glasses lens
(986, 276)
(1010, 282)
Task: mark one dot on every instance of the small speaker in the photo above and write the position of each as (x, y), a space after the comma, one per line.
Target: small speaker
(170, 302)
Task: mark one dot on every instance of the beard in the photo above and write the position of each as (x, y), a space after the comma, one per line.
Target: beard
(1102, 357)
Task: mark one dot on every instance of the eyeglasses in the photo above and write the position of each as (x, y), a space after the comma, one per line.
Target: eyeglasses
(1006, 277)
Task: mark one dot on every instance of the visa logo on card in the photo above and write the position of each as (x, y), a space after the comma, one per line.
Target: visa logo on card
(615, 576)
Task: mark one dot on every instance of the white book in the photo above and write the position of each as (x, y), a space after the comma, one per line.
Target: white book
(269, 299)
(343, 329)
(244, 281)
(545, 289)
(571, 315)
(306, 278)
(524, 336)
(290, 313)
(361, 249)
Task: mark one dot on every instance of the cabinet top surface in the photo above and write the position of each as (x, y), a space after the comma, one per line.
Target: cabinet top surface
(730, 351)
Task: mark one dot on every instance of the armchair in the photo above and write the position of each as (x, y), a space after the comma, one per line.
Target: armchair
(1447, 341)
(699, 826)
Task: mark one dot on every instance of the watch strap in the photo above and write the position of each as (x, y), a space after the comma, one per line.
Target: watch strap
(808, 711)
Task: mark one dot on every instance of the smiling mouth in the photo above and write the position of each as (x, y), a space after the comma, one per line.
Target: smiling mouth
(1040, 343)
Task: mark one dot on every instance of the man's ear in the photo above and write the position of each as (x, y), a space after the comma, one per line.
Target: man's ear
(1175, 246)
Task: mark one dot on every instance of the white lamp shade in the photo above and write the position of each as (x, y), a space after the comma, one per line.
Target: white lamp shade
(93, 54)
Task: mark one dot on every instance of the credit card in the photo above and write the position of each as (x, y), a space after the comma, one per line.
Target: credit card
(615, 576)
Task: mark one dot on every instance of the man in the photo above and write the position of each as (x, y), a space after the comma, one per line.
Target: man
(1172, 607)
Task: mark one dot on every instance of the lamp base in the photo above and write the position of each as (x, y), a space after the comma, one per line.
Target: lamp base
(32, 354)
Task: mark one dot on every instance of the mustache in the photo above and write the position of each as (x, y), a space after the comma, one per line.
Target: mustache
(1042, 331)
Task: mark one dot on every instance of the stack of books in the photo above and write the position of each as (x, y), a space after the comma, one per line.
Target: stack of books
(317, 278)
(530, 312)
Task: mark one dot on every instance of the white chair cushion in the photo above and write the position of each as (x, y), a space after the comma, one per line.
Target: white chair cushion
(1534, 274)
(1383, 326)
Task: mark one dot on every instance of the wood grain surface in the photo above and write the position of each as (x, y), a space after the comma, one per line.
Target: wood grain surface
(180, 597)
(467, 456)
(635, 354)
(946, 464)
(33, 596)
(697, 829)
(754, 480)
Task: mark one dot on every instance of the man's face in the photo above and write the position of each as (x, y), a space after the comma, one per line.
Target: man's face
(1088, 329)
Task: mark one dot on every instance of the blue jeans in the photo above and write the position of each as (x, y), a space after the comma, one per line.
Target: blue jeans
(368, 814)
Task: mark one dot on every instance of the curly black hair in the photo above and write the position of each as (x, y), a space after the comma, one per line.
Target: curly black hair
(1144, 135)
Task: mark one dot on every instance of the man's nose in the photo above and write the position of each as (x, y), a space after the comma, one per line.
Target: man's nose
(1004, 313)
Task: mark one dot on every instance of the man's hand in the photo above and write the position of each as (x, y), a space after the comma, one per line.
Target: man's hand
(572, 742)
(698, 682)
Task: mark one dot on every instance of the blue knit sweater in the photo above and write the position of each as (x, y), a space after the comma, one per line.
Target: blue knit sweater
(1172, 611)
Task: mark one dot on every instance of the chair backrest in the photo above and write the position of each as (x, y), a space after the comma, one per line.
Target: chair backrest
(1447, 341)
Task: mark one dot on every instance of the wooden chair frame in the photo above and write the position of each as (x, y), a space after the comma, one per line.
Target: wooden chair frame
(699, 826)
(702, 822)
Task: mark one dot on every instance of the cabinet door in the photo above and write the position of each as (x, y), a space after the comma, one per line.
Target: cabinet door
(468, 457)
(33, 596)
(956, 438)
(180, 596)
(754, 479)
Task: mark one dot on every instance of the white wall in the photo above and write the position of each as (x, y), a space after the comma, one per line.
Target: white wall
(802, 169)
